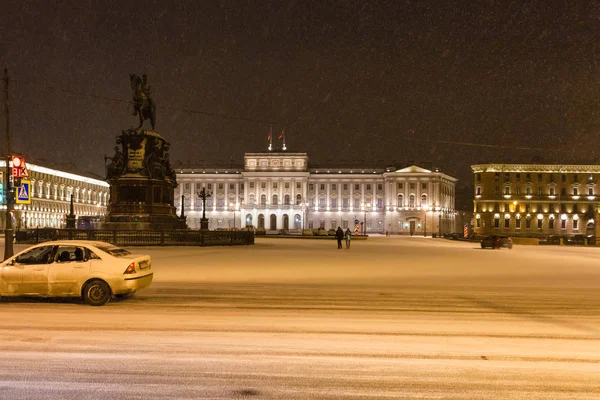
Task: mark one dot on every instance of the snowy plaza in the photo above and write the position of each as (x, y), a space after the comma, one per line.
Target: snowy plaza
(391, 317)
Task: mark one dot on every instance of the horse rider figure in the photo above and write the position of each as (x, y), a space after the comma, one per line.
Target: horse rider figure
(143, 105)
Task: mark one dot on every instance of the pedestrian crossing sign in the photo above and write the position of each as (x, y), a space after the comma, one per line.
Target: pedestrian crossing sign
(23, 192)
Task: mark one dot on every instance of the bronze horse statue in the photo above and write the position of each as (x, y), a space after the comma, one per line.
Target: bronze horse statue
(143, 106)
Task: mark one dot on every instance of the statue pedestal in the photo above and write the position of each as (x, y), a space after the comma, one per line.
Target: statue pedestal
(141, 193)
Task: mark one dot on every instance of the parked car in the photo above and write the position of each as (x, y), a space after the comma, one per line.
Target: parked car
(95, 271)
(496, 242)
(576, 240)
(550, 240)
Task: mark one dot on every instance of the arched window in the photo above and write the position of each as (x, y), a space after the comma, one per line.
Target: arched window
(263, 199)
(400, 200)
(286, 200)
(423, 200)
(251, 199)
(298, 199)
(411, 200)
(248, 219)
(275, 200)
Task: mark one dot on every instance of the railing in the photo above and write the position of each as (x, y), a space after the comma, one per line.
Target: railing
(140, 238)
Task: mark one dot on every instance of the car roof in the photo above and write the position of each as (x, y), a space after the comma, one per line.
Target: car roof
(94, 243)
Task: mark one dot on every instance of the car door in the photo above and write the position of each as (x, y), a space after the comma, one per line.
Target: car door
(68, 268)
(35, 265)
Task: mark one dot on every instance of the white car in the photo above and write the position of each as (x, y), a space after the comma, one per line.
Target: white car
(95, 271)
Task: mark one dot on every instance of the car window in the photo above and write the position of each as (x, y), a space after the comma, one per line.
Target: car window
(91, 255)
(39, 255)
(70, 253)
(114, 251)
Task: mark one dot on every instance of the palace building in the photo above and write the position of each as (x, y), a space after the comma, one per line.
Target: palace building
(50, 194)
(280, 191)
(535, 200)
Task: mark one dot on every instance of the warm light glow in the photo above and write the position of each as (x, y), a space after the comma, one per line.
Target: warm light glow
(563, 217)
(575, 197)
(506, 216)
(551, 197)
(528, 196)
(540, 216)
(507, 196)
(477, 216)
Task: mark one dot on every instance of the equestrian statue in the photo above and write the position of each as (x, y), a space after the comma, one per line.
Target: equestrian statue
(143, 105)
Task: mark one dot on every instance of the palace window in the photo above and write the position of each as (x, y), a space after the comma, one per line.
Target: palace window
(251, 199)
(400, 200)
(423, 200)
(334, 203)
(345, 203)
(563, 178)
(400, 185)
(242, 187)
(311, 187)
(334, 187)
(528, 177)
(345, 187)
(411, 201)
(528, 223)
(379, 186)
(540, 223)
(506, 189)
(209, 186)
(356, 186)
(506, 223)
(298, 199)
(575, 224)
(368, 186)
(287, 185)
(478, 190)
(298, 185)
(590, 191)
(563, 224)
(379, 203)
(274, 185)
(322, 187)
(527, 207)
(220, 186)
(496, 190)
(496, 222)
(423, 185)
(539, 177)
(551, 223)
(275, 200)
(251, 185)
(518, 223)
(286, 200)
(187, 186)
(506, 208)
(412, 185)
(539, 191)
(263, 199)
(575, 191)
(263, 185)
(517, 177)
(357, 204)
(231, 186)
(551, 191)
(322, 203)
(506, 176)
(563, 191)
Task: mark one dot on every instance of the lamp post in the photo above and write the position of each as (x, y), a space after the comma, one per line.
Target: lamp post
(8, 231)
(234, 207)
(426, 208)
(365, 206)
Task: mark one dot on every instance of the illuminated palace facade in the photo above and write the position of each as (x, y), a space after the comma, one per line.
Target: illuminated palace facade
(535, 200)
(278, 191)
(50, 195)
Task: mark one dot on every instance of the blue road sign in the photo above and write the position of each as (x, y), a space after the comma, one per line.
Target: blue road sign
(23, 192)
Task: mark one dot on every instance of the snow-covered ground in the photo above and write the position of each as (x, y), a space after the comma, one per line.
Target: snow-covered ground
(388, 318)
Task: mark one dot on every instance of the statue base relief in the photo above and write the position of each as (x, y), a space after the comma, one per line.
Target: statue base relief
(142, 184)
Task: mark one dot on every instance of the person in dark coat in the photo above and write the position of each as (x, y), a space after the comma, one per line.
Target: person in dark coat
(339, 235)
(348, 238)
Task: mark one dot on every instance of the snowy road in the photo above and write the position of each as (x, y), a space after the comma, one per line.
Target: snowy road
(390, 318)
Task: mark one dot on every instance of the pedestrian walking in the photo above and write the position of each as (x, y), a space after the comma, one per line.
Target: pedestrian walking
(348, 238)
(339, 235)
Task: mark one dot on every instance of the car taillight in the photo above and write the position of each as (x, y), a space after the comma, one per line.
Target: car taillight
(130, 269)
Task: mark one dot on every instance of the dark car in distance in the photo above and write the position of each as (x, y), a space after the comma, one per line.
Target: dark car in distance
(496, 242)
(578, 240)
(550, 240)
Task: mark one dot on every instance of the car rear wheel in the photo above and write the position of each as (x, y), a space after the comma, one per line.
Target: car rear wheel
(482, 246)
(96, 293)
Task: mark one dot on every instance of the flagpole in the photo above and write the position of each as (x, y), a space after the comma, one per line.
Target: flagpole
(270, 137)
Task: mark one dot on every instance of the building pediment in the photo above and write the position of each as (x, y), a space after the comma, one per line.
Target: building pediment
(413, 169)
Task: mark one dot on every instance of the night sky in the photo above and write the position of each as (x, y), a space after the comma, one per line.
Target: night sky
(353, 82)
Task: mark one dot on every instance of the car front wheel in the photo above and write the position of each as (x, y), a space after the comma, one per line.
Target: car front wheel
(96, 293)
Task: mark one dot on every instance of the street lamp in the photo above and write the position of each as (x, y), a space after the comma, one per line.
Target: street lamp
(235, 207)
(426, 208)
(365, 206)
